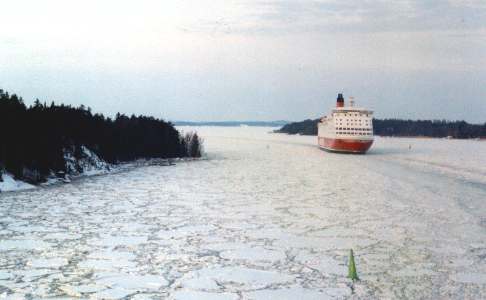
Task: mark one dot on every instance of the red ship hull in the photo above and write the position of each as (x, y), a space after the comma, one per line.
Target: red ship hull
(345, 145)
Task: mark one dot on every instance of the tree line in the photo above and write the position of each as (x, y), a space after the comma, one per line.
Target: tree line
(35, 138)
(403, 128)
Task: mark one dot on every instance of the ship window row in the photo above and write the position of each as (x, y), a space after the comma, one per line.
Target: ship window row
(354, 115)
(352, 122)
(358, 129)
(353, 133)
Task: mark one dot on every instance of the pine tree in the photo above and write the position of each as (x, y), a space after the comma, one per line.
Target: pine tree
(38, 136)
(195, 146)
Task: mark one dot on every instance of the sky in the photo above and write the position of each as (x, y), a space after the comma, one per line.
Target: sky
(215, 60)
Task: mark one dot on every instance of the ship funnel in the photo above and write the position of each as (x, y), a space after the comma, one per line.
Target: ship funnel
(340, 101)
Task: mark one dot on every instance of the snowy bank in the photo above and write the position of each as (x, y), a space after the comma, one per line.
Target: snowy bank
(8, 183)
(83, 163)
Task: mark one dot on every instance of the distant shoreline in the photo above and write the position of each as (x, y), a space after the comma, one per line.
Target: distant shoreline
(403, 137)
(404, 128)
(432, 137)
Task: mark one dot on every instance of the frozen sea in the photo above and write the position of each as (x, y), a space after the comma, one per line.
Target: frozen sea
(265, 216)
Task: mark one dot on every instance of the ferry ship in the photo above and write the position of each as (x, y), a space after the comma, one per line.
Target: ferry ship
(348, 129)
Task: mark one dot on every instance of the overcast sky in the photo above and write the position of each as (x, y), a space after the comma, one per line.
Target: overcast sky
(248, 60)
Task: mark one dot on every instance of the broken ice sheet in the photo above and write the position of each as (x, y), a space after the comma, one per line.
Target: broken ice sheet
(257, 222)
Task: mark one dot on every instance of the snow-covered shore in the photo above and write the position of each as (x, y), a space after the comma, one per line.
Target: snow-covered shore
(88, 164)
(9, 184)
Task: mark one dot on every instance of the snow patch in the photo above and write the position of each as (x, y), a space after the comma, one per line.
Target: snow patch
(192, 295)
(254, 254)
(322, 263)
(241, 276)
(474, 278)
(134, 282)
(88, 162)
(299, 293)
(51, 263)
(26, 244)
(10, 184)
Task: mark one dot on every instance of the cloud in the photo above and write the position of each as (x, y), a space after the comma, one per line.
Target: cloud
(296, 16)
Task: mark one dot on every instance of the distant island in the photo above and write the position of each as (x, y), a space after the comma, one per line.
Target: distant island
(49, 140)
(403, 128)
(278, 123)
